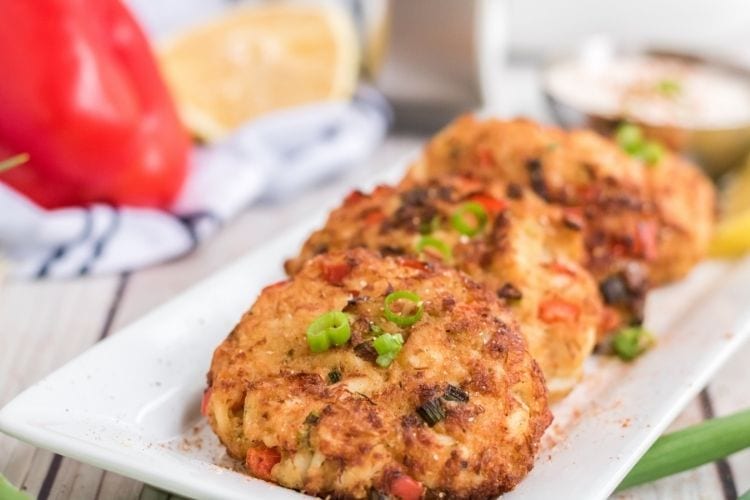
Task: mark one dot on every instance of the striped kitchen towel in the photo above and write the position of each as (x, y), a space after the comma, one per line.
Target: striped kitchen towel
(273, 156)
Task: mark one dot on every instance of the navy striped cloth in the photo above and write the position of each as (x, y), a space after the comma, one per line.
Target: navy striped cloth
(274, 156)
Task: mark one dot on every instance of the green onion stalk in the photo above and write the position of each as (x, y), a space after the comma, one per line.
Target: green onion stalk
(10, 492)
(691, 447)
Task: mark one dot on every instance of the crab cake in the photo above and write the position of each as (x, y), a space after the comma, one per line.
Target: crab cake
(365, 375)
(644, 224)
(523, 250)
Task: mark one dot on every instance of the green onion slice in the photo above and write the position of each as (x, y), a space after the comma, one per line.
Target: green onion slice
(688, 448)
(429, 227)
(651, 153)
(328, 328)
(10, 492)
(631, 342)
(631, 140)
(669, 87)
(388, 346)
(318, 341)
(436, 243)
(629, 137)
(464, 226)
(403, 319)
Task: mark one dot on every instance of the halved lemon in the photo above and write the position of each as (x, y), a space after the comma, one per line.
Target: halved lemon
(732, 236)
(258, 59)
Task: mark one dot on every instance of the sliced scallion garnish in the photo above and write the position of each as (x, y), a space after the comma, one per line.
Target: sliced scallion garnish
(403, 319)
(432, 412)
(631, 342)
(328, 328)
(467, 227)
(431, 242)
(453, 393)
(630, 138)
(388, 346)
(651, 153)
(334, 376)
(669, 87)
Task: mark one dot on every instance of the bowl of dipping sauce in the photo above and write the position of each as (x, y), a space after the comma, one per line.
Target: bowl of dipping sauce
(693, 105)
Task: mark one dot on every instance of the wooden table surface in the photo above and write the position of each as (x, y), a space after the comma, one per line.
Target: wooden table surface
(43, 324)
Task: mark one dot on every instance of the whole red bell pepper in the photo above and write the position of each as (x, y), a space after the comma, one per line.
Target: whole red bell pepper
(81, 93)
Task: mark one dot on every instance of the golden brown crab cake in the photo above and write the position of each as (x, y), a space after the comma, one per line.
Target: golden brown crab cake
(525, 251)
(644, 224)
(459, 410)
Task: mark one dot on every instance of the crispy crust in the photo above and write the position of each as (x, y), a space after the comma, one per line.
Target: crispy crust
(527, 255)
(624, 203)
(364, 430)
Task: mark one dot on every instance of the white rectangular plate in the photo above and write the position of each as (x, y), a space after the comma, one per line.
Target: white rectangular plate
(130, 404)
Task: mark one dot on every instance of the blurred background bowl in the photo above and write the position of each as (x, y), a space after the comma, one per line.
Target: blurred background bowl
(716, 149)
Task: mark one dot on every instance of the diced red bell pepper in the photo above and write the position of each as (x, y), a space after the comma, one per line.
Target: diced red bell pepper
(414, 264)
(335, 272)
(260, 461)
(646, 240)
(490, 203)
(406, 488)
(558, 310)
(82, 95)
(374, 217)
(561, 268)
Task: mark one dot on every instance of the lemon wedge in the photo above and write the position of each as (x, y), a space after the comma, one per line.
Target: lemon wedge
(732, 235)
(257, 59)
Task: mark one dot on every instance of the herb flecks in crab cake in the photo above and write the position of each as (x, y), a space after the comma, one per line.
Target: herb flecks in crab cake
(500, 234)
(646, 219)
(365, 375)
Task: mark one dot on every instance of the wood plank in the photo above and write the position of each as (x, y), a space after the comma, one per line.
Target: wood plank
(42, 326)
(730, 393)
(75, 480)
(695, 484)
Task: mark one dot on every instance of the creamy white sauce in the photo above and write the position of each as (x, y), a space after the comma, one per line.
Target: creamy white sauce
(657, 91)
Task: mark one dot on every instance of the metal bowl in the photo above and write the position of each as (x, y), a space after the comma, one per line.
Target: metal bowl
(717, 150)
